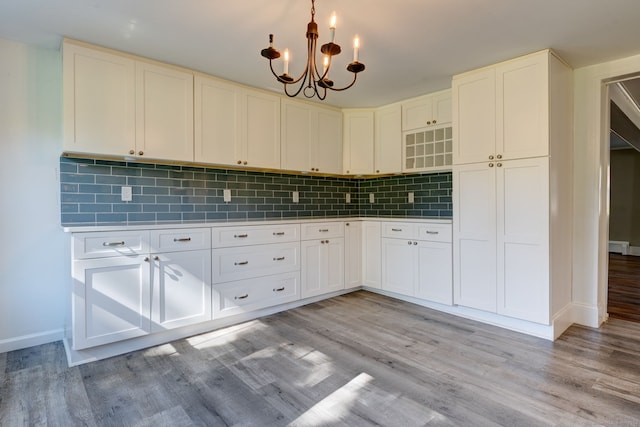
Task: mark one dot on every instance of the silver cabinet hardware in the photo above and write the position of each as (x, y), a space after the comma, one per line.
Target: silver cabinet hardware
(156, 258)
(241, 263)
(240, 236)
(396, 229)
(281, 258)
(242, 296)
(408, 243)
(278, 289)
(323, 230)
(146, 259)
(490, 165)
(499, 156)
(279, 233)
(415, 243)
(499, 165)
(433, 232)
(113, 244)
(182, 239)
(491, 157)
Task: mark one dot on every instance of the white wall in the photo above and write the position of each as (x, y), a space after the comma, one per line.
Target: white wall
(591, 160)
(33, 271)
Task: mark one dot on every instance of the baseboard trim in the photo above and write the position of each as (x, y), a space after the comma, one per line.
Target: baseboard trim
(587, 315)
(30, 340)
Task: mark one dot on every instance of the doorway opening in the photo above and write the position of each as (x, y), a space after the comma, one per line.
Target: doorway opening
(623, 289)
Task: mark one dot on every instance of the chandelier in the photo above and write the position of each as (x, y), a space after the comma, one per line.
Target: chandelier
(312, 82)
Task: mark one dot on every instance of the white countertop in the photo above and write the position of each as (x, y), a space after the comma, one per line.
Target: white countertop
(93, 228)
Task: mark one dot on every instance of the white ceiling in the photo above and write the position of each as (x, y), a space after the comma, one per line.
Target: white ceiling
(409, 47)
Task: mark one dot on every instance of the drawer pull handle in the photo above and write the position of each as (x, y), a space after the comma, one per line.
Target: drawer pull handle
(241, 263)
(433, 232)
(183, 239)
(240, 236)
(279, 258)
(278, 289)
(396, 229)
(113, 244)
(245, 296)
(323, 230)
(279, 233)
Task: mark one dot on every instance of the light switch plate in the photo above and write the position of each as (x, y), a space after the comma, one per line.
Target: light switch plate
(296, 197)
(411, 198)
(347, 198)
(126, 194)
(226, 195)
(372, 198)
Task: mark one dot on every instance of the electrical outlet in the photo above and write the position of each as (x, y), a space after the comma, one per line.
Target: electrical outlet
(372, 198)
(347, 198)
(411, 198)
(296, 197)
(126, 194)
(226, 195)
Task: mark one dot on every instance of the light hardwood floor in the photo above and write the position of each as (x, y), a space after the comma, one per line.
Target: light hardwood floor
(358, 359)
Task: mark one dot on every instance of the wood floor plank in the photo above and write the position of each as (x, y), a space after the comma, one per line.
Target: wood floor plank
(360, 359)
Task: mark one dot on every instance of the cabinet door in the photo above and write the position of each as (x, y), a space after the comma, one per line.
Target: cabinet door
(434, 276)
(111, 300)
(322, 266)
(522, 107)
(474, 116)
(217, 121)
(181, 289)
(474, 236)
(353, 254)
(296, 136)
(164, 112)
(262, 130)
(328, 144)
(99, 102)
(371, 254)
(417, 113)
(442, 111)
(523, 239)
(388, 140)
(398, 266)
(358, 143)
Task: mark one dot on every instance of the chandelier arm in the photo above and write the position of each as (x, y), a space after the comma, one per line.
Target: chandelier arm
(339, 89)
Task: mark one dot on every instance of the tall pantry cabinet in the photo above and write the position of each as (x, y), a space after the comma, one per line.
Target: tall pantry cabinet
(512, 173)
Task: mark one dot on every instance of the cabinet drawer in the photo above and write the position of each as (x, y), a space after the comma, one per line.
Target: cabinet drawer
(435, 232)
(252, 294)
(254, 235)
(109, 244)
(399, 230)
(320, 230)
(245, 262)
(188, 239)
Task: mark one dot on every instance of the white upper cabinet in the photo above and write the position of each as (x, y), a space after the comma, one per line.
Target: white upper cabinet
(99, 101)
(119, 106)
(236, 126)
(311, 138)
(164, 112)
(429, 110)
(388, 140)
(502, 112)
(358, 142)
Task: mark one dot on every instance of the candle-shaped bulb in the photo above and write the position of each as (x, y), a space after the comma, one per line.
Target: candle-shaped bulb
(332, 27)
(356, 48)
(286, 61)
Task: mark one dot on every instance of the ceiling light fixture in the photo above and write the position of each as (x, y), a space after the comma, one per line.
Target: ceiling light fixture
(311, 78)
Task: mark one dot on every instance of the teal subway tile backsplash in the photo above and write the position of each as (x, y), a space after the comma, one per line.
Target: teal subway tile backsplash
(90, 194)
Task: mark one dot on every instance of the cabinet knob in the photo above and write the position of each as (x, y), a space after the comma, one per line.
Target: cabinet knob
(347, 224)
(408, 243)
(490, 165)
(415, 243)
(347, 171)
(434, 122)
(132, 152)
(239, 162)
(499, 165)
(491, 157)
(377, 170)
(140, 153)
(244, 163)
(499, 156)
(146, 259)
(428, 123)
(156, 258)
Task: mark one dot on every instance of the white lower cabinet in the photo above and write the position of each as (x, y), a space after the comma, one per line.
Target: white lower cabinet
(181, 289)
(416, 260)
(371, 254)
(111, 300)
(352, 254)
(322, 253)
